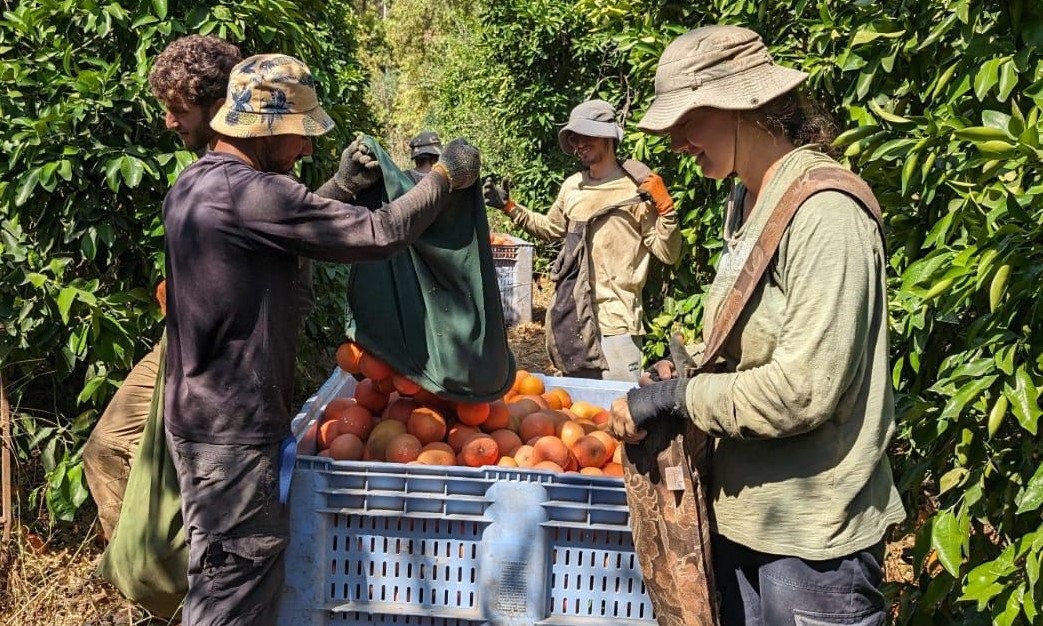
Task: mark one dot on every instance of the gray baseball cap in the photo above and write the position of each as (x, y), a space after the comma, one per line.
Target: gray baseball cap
(593, 118)
(426, 142)
(724, 67)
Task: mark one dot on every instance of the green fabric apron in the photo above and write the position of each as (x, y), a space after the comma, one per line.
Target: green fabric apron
(433, 312)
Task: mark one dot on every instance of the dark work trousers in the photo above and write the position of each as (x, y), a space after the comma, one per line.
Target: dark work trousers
(237, 531)
(759, 589)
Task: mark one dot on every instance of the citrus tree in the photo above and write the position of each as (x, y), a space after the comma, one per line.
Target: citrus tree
(85, 171)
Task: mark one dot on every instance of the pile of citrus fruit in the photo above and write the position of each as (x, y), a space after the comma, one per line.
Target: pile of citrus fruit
(392, 419)
(499, 239)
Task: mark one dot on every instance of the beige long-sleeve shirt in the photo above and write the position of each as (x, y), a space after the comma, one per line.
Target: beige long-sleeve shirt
(805, 414)
(622, 243)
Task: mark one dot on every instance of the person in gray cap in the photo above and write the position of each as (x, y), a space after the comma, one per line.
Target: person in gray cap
(801, 406)
(424, 149)
(614, 218)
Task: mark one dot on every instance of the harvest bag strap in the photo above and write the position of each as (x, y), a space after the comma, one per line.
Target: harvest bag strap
(811, 183)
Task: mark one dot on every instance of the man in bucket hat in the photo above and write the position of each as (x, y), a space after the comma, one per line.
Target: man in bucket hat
(613, 217)
(424, 149)
(594, 327)
(801, 403)
(236, 224)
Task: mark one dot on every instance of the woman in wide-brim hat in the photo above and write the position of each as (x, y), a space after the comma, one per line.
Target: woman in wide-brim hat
(802, 406)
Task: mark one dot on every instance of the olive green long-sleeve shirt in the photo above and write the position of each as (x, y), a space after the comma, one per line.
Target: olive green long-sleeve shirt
(806, 411)
(622, 243)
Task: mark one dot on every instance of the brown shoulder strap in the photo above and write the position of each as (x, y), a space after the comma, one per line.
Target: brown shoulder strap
(811, 183)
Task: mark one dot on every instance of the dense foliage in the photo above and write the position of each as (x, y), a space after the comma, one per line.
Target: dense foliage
(86, 166)
(942, 101)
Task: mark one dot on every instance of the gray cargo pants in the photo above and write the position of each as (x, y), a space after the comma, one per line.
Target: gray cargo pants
(237, 531)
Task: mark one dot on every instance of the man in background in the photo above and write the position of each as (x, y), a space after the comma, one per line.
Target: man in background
(189, 79)
(424, 149)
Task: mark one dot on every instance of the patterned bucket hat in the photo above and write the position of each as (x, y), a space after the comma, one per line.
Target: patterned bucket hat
(723, 67)
(271, 94)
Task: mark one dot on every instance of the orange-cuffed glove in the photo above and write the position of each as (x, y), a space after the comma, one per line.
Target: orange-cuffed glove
(654, 187)
(161, 296)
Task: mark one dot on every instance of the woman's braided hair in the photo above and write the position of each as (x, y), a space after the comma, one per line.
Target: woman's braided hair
(193, 70)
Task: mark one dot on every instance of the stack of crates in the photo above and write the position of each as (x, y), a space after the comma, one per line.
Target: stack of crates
(384, 543)
(514, 276)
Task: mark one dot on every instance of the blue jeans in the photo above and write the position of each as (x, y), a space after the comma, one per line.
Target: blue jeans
(759, 589)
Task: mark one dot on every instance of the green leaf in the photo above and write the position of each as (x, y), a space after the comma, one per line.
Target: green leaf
(965, 394)
(65, 299)
(948, 535)
(983, 581)
(1011, 608)
(986, 77)
(1024, 399)
(160, 7)
(982, 133)
(1032, 497)
(26, 186)
(132, 170)
(1008, 79)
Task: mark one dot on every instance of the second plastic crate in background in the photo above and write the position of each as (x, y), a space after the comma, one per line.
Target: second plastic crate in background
(514, 277)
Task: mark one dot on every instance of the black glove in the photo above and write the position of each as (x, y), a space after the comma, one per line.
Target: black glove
(460, 163)
(359, 169)
(664, 397)
(497, 197)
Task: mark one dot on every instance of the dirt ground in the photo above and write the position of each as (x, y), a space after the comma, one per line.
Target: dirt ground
(48, 581)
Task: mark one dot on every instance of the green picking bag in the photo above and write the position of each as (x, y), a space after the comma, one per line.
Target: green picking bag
(147, 559)
(433, 312)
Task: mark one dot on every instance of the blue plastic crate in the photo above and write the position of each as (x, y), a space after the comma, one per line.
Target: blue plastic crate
(384, 543)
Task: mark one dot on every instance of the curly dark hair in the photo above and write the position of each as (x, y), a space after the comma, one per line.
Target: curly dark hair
(193, 70)
(798, 118)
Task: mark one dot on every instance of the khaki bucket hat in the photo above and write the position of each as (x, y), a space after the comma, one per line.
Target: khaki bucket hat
(724, 67)
(271, 94)
(593, 118)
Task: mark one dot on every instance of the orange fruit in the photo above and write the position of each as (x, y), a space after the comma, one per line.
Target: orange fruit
(591, 471)
(617, 456)
(530, 385)
(523, 456)
(608, 440)
(348, 355)
(539, 400)
(384, 386)
(552, 400)
(602, 418)
(612, 469)
(507, 461)
(403, 449)
(336, 407)
(373, 367)
(550, 448)
(590, 452)
(328, 431)
(367, 395)
(357, 421)
(573, 464)
(537, 425)
(403, 385)
(347, 447)
(472, 414)
(400, 409)
(549, 466)
(458, 436)
(563, 397)
(427, 424)
(478, 451)
(570, 432)
(499, 417)
(381, 436)
(437, 453)
(506, 440)
(584, 409)
(519, 376)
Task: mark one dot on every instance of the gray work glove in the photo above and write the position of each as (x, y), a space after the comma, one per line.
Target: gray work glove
(359, 169)
(496, 196)
(460, 163)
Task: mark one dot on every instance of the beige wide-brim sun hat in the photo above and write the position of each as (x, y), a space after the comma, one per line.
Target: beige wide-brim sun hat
(724, 67)
(271, 94)
(593, 118)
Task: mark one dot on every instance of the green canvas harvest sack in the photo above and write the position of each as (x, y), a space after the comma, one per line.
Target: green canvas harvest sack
(433, 312)
(147, 559)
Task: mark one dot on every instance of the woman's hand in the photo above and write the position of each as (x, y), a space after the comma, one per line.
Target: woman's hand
(622, 424)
